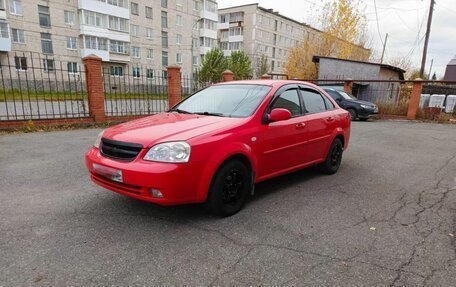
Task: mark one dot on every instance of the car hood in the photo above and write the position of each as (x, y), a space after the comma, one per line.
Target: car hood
(362, 102)
(167, 127)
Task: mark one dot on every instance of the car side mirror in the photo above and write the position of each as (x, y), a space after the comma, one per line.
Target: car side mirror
(279, 114)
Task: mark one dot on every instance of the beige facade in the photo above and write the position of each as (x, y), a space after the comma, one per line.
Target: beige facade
(146, 34)
(259, 31)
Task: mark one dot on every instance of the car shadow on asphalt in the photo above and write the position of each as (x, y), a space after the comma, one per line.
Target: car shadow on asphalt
(196, 212)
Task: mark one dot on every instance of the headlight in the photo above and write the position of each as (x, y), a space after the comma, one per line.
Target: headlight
(169, 152)
(365, 107)
(98, 140)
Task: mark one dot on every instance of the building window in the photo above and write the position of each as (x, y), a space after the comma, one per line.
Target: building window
(179, 58)
(195, 61)
(164, 39)
(150, 73)
(149, 33)
(237, 31)
(178, 39)
(94, 19)
(71, 43)
(150, 53)
(134, 8)
(4, 30)
(48, 65)
(179, 20)
(18, 35)
(164, 19)
(197, 5)
(164, 3)
(179, 5)
(2, 5)
(120, 3)
(136, 72)
(135, 52)
(69, 17)
(46, 43)
(117, 71)
(72, 68)
(118, 47)
(21, 63)
(15, 7)
(149, 12)
(224, 18)
(117, 23)
(95, 43)
(164, 58)
(134, 30)
(45, 17)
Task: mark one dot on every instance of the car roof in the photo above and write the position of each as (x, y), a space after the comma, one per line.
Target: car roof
(272, 83)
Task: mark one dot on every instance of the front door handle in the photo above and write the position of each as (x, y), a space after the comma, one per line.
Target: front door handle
(300, 125)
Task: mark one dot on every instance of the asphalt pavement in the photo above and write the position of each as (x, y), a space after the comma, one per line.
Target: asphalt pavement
(387, 218)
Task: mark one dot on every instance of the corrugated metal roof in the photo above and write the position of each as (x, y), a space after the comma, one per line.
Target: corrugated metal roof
(452, 62)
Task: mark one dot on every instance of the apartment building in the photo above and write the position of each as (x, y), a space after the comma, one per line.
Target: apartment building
(143, 35)
(259, 31)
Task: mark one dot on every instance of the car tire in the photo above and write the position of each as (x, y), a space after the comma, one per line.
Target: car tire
(364, 119)
(333, 158)
(229, 189)
(353, 114)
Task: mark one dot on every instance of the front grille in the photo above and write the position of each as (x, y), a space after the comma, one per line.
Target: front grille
(120, 150)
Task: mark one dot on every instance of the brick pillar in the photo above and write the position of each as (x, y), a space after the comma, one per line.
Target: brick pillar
(95, 91)
(174, 85)
(227, 76)
(266, 77)
(348, 86)
(414, 101)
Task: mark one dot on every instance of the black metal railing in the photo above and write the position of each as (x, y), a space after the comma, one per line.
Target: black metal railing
(134, 90)
(33, 86)
(191, 85)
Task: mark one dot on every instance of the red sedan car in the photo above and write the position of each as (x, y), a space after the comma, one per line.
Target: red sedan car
(215, 145)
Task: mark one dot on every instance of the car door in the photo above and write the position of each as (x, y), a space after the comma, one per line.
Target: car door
(283, 141)
(320, 122)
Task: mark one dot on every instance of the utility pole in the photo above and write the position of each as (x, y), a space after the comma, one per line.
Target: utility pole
(426, 41)
(430, 69)
(384, 47)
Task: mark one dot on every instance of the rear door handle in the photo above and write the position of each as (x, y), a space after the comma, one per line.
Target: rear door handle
(300, 125)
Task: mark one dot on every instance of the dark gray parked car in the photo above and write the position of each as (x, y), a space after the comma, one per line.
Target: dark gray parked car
(358, 109)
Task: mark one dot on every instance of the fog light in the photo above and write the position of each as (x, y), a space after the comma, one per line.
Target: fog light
(156, 193)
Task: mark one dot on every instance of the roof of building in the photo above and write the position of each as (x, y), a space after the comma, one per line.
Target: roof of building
(271, 11)
(316, 59)
(452, 62)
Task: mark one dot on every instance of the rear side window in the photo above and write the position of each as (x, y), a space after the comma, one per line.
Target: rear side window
(289, 100)
(328, 103)
(313, 102)
(334, 95)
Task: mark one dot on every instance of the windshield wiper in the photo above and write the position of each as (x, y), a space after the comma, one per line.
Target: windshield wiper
(181, 111)
(210, 114)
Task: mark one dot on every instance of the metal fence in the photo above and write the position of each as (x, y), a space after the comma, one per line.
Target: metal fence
(134, 90)
(33, 86)
(190, 85)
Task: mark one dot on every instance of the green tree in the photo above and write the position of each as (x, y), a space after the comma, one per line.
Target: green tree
(241, 65)
(262, 66)
(212, 66)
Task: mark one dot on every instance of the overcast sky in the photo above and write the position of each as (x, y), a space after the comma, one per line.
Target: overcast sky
(404, 21)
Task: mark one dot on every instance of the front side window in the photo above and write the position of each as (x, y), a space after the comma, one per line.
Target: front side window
(288, 100)
(313, 101)
(226, 100)
(44, 16)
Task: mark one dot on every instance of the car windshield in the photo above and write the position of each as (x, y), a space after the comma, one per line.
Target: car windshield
(347, 96)
(237, 101)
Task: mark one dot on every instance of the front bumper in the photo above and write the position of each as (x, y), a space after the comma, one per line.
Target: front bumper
(368, 113)
(179, 183)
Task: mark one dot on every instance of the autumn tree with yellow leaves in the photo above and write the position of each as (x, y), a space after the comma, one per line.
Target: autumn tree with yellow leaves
(343, 35)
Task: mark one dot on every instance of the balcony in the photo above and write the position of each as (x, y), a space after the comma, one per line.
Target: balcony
(104, 55)
(223, 26)
(204, 50)
(209, 15)
(104, 8)
(2, 14)
(104, 33)
(237, 38)
(207, 33)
